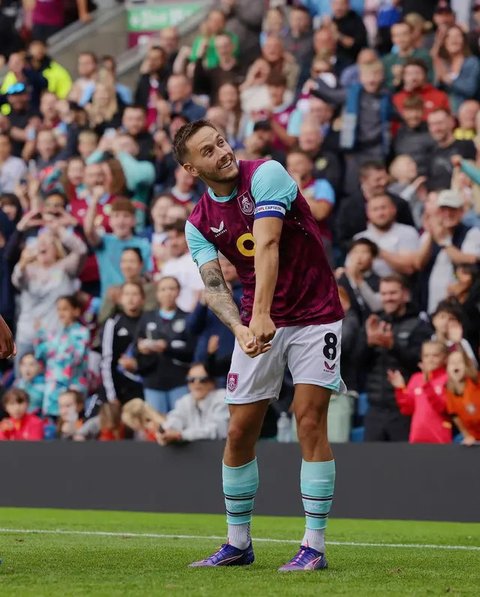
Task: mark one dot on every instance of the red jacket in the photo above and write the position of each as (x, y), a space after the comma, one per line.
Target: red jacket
(426, 403)
(29, 428)
(432, 98)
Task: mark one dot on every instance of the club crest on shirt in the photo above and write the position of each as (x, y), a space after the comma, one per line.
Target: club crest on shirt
(232, 382)
(246, 204)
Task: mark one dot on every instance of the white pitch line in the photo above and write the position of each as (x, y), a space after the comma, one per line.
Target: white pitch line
(221, 538)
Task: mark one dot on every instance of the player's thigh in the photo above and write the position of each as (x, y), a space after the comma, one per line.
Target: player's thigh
(313, 356)
(251, 380)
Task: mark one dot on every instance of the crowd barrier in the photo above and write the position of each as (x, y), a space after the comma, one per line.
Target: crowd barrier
(377, 481)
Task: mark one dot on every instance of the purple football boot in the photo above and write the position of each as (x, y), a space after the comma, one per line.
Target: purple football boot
(306, 558)
(227, 555)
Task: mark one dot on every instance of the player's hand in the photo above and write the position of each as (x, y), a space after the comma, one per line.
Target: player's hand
(263, 329)
(247, 341)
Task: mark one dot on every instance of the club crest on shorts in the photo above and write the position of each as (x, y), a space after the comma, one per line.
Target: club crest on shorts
(232, 382)
(246, 204)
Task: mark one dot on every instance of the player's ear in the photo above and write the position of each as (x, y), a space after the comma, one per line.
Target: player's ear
(191, 169)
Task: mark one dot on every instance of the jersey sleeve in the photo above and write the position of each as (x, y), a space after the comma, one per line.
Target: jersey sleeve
(200, 248)
(273, 190)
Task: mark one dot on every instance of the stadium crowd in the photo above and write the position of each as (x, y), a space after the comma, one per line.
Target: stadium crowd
(373, 108)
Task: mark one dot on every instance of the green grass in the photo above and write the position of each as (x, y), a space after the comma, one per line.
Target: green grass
(75, 564)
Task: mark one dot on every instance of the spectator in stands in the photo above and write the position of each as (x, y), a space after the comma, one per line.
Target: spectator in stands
(423, 398)
(19, 425)
(204, 44)
(441, 125)
(447, 321)
(64, 353)
(415, 84)
(87, 68)
(118, 337)
(58, 78)
(365, 133)
(134, 122)
(106, 426)
(142, 419)
(229, 99)
(169, 40)
(299, 40)
(32, 380)
(131, 267)
(179, 90)
(351, 74)
(124, 93)
(351, 329)
(21, 119)
(104, 111)
(402, 40)
(467, 117)
(12, 169)
(351, 217)
(473, 35)
(396, 242)
(200, 414)
(244, 19)
(445, 242)
(164, 348)
(152, 83)
(318, 192)
(87, 143)
(109, 247)
(466, 290)
(406, 183)
(463, 396)
(48, 17)
(413, 138)
(47, 270)
(70, 413)
(20, 72)
(359, 280)
(393, 341)
(456, 71)
(280, 61)
(350, 33)
(181, 266)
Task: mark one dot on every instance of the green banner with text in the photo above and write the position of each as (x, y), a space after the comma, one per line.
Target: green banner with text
(158, 16)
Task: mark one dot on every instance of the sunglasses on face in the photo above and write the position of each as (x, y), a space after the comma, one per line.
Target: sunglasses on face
(202, 379)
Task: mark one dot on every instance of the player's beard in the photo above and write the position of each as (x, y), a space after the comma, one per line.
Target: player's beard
(218, 175)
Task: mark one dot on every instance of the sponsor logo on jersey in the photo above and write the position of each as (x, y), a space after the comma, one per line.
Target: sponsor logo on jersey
(232, 382)
(328, 368)
(220, 230)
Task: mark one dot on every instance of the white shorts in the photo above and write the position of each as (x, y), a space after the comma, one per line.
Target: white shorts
(312, 354)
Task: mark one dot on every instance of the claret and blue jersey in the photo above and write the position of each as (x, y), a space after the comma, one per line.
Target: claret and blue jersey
(306, 292)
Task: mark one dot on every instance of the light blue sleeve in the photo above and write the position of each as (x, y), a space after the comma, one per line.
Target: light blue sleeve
(323, 191)
(201, 250)
(273, 190)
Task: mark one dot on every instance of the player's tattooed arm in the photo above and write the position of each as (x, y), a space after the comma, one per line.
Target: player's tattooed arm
(218, 295)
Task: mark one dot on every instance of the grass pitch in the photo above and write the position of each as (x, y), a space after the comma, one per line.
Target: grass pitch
(61, 552)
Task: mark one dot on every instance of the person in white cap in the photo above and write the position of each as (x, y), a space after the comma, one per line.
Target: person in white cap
(446, 242)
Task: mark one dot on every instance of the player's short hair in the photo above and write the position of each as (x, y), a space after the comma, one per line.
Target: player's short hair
(183, 136)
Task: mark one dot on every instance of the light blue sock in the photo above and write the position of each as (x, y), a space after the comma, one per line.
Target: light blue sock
(240, 484)
(317, 481)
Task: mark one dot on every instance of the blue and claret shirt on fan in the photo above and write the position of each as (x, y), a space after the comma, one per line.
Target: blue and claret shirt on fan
(306, 291)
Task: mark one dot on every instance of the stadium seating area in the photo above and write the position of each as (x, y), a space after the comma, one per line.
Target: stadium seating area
(373, 107)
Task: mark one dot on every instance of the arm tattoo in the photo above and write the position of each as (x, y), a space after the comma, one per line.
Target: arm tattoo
(218, 296)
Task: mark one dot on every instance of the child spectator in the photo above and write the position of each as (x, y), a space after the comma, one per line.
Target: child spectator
(424, 398)
(19, 425)
(164, 349)
(467, 116)
(70, 409)
(32, 381)
(109, 247)
(200, 414)
(106, 426)
(463, 396)
(142, 419)
(466, 290)
(64, 354)
(118, 338)
(447, 322)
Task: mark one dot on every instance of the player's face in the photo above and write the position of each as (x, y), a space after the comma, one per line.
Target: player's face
(211, 157)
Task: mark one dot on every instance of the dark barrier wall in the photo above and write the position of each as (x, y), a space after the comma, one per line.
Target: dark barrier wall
(393, 481)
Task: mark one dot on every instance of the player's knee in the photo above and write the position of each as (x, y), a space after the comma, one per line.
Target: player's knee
(311, 425)
(239, 435)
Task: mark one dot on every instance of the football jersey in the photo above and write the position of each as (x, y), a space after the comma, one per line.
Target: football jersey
(306, 292)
